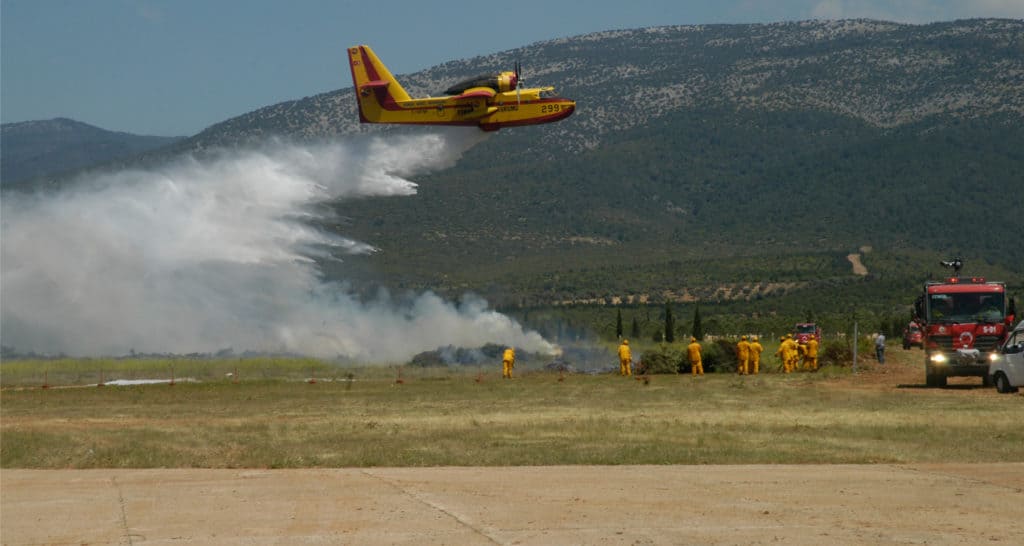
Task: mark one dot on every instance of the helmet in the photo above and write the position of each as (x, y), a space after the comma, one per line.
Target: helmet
(743, 338)
(753, 338)
(625, 342)
(692, 339)
(789, 336)
(782, 338)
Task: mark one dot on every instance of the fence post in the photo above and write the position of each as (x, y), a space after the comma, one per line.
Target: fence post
(855, 336)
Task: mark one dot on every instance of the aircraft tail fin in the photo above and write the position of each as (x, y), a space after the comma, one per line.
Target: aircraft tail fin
(376, 88)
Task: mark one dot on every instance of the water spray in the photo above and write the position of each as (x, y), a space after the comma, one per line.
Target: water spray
(202, 254)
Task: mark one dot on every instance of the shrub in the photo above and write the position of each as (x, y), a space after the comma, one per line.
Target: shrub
(835, 353)
(665, 359)
(719, 355)
(428, 359)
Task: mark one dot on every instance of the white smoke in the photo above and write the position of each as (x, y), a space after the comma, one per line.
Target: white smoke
(203, 255)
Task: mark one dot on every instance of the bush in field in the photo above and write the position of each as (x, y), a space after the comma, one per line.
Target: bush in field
(451, 355)
(428, 359)
(719, 355)
(665, 359)
(835, 353)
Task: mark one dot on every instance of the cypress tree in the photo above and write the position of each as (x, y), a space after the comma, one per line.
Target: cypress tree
(618, 324)
(698, 329)
(670, 326)
(635, 330)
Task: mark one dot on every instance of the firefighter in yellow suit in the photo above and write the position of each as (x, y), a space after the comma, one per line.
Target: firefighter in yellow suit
(508, 361)
(811, 357)
(693, 352)
(743, 356)
(755, 355)
(792, 352)
(788, 353)
(781, 353)
(625, 359)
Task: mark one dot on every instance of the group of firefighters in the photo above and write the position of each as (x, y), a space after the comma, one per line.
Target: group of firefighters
(791, 353)
(692, 353)
(748, 356)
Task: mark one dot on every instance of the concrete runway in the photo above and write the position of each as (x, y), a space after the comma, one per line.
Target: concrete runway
(743, 504)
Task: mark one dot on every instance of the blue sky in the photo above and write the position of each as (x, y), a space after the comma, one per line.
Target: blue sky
(174, 67)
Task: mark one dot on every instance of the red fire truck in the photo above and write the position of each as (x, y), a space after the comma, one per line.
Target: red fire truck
(964, 322)
(804, 331)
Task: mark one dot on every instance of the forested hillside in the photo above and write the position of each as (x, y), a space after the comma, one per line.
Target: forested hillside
(727, 164)
(735, 185)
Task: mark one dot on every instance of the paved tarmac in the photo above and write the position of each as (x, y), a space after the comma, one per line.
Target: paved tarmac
(742, 504)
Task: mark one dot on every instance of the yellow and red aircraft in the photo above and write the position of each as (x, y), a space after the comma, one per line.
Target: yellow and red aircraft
(490, 102)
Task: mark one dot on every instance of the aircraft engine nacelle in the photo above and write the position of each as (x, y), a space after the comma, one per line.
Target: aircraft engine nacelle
(505, 81)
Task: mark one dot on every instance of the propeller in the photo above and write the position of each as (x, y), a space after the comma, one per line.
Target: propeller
(519, 83)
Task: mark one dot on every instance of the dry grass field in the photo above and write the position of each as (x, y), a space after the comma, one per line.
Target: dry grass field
(363, 417)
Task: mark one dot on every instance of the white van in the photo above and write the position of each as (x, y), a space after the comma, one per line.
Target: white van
(1007, 369)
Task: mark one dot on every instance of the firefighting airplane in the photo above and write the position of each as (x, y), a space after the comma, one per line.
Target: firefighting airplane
(490, 102)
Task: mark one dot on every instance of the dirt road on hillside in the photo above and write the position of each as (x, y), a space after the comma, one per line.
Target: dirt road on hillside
(749, 504)
(858, 266)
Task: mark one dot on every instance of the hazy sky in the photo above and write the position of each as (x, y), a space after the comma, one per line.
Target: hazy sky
(174, 67)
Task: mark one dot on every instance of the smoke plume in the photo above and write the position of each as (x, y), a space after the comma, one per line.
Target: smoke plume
(206, 254)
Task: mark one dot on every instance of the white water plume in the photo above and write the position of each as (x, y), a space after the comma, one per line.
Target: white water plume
(203, 255)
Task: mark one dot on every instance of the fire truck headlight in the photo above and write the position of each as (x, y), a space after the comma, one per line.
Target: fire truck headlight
(938, 358)
(992, 357)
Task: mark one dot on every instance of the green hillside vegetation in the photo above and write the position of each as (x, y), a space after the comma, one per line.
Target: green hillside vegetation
(728, 207)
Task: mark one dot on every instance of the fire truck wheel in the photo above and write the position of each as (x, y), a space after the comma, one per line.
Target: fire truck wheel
(935, 380)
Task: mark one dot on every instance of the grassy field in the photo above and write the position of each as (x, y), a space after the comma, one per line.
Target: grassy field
(448, 417)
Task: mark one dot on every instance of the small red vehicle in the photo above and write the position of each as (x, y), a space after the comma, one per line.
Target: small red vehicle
(805, 331)
(913, 335)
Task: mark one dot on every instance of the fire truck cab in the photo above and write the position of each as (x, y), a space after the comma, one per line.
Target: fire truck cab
(804, 331)
(964, 322)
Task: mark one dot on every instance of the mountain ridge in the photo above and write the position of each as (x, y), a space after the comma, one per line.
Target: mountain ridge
(47, 148)
(623, 78)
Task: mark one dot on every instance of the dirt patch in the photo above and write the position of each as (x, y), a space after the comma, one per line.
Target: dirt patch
(858, 266)
(745, 504)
